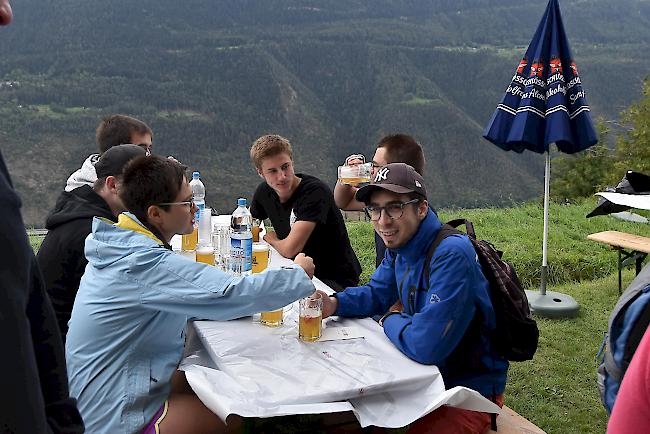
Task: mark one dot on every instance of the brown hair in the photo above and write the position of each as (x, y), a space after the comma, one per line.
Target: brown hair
(402, 148)
(150, 180)
(269, 145)
(117, 130)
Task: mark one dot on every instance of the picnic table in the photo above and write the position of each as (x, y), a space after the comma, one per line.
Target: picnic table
(631, 249)
(242, 367)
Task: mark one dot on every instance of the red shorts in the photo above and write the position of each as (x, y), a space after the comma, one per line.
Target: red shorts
(452, 420)
(153, 427)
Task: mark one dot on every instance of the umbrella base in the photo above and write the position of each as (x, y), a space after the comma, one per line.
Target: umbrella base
(552, 304)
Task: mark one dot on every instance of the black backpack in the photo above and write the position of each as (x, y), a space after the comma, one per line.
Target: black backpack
(516, 334)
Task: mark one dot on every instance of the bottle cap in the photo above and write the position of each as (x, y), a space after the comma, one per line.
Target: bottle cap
(195, 175)
(241, 201)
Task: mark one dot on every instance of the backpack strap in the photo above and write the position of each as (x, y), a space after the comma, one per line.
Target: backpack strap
(469, 226)
(445, 231)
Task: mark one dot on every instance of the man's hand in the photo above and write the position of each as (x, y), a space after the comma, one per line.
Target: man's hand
(329, 304)
(271, 237)
(397, 307)
(355, 160)
(306, 263)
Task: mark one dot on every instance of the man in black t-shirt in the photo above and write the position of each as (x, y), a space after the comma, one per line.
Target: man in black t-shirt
(303, 213)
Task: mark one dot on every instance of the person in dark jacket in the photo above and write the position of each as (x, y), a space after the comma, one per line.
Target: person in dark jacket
(442, 317)
(61, 255)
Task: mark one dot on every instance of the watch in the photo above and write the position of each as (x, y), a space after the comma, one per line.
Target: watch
(386, 315)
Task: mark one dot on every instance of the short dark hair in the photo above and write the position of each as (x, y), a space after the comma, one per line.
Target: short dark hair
(402, 148)
(117, 130)
(150, 180)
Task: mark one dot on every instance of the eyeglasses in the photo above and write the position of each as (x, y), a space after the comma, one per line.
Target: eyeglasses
(187, 202)
(393, 210)
(375, 165)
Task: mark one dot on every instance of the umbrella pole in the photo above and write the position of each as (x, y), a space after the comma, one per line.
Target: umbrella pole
(550, 304)
(547, 177)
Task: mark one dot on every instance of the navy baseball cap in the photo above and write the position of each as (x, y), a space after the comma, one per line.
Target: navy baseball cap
(396, 177)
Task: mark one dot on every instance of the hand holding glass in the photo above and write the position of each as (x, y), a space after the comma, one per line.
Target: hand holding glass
(355, 175)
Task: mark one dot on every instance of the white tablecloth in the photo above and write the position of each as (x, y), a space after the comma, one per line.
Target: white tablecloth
(242, 367)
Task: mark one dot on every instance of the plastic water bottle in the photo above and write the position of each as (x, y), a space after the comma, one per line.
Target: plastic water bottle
(190, 241)
(241, 237)
(198, 193)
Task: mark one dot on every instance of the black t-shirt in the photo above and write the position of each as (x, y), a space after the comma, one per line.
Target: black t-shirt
(329, 244)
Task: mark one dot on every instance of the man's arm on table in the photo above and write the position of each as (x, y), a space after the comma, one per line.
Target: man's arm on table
(293, 244)
(172, 284)
(363, 301)
(430, 336)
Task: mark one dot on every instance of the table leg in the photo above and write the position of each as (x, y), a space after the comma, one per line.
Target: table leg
(620, 269)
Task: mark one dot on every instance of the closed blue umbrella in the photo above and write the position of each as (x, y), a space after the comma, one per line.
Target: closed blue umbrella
(545, 103)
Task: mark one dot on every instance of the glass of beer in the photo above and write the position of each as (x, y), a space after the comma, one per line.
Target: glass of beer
(310, 321)
(256, 229)
(355, 175)
(205, 254)
(274, 318)
(261, 254)
(189, 241)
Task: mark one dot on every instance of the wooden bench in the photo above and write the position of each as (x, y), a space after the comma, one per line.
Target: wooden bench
(637, 247)
(510, 422)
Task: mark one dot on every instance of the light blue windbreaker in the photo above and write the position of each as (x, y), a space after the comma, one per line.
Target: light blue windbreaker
(126, 329)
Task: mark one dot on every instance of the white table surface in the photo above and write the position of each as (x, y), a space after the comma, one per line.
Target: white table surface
(246, 368)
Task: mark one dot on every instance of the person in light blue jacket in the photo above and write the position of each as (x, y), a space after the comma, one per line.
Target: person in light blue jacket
(443, 317)
(125, 336)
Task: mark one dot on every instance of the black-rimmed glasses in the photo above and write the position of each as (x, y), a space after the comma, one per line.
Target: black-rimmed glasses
(393, 210)
(186, 202)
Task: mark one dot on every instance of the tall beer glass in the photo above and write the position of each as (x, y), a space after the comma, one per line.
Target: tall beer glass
(310, 321)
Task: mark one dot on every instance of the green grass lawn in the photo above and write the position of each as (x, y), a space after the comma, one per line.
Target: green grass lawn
(557, 389)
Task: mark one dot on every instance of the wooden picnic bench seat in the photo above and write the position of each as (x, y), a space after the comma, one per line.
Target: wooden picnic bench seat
(510, 422)
(631, 249)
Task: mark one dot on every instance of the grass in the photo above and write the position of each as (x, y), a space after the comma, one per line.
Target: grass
(557, 389)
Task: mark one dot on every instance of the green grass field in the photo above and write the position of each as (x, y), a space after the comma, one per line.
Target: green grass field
(557, 389)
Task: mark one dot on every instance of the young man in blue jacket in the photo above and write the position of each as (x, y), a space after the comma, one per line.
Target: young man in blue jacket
(440, 318)
(126, 330)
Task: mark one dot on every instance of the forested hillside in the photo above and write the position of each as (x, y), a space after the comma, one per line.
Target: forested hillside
(331, 75)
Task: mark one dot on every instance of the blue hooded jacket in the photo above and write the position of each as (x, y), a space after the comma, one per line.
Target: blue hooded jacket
(446, 325)
(125, 335)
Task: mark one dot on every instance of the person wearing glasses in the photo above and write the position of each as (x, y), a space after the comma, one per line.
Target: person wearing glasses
(112, 131)
(442, 317)
(61, 255)
(32, 369)
(303, 213)
(126, 333)
(394, 148)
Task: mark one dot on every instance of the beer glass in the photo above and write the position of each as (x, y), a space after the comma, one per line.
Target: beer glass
(261, 254)
(355, 175)
(205, 254)
(189, 241)
(255, 230)
(310, 321)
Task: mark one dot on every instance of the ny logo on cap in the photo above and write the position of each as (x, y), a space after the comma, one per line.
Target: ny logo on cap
(382, 174)
(417, 184)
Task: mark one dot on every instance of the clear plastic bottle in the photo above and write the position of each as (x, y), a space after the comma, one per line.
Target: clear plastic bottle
(189, 241)
(241, 237)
